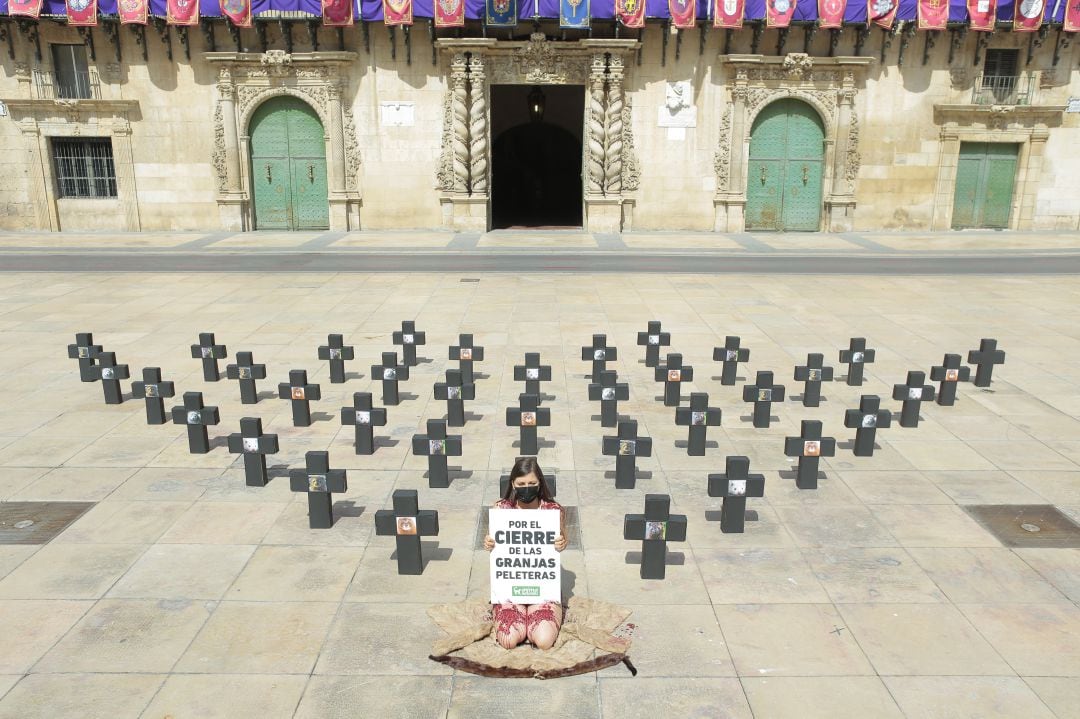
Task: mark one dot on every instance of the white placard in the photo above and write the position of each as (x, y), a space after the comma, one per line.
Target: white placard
(525, 567)
(1073, 105)
(398, 114)
(678, 109)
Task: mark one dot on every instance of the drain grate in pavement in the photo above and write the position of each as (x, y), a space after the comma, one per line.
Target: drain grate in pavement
(573, 531)
(1026, 525)
(37, 522)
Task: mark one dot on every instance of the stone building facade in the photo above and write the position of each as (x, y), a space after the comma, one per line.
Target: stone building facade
(885, 129)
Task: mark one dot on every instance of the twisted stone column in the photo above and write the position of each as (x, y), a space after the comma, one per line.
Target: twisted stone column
(337, 138)
(597, 127)
(614, 151)
(460, 112)
(478, 129)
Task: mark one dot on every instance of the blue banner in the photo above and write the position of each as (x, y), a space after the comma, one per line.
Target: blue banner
(501, 13)
(574, 14)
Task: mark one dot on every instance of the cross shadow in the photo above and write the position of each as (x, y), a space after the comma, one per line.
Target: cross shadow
(128, 396)
(219, 442)
(430, 552)
(660, 398)
(473, 416)
(799, 398)
(619, 417)
(385, 442)
(709, 444)
(458, 473)
(347, 508)
(321, 416)
(277, 470)
(850, 444)
(423, 360)
(750, 418)
(540, 444)
(268, 394)
(353, 375)
(719, 378)
(544, 397)
(639, 474)
(793, 474)
(674, 559)
(714, 515)
(845, 378)
(480, 375)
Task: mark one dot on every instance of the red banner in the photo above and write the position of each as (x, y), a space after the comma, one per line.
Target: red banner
(683, 13)
(238, 11)
(449, 13)
(831, 13)
(133, 12)
(778, 12)
(631, 13)
(882, 12)
(1028, 15)
(397, 12)
(29, 8)
(81, 13)
(182, 12)
(1072, 16)
(337, 13)
(982, 14)
(933, 14)
(728, 13)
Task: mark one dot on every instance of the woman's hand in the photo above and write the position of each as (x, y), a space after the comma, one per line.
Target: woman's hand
(560, 543)
(489, 543)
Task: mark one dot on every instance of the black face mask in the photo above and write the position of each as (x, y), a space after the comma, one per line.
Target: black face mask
(525, 495)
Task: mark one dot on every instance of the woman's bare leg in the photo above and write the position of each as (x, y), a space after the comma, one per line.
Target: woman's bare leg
(543, 622)
(510, 629)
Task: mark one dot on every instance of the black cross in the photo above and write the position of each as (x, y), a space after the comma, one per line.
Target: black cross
(409, 338)
(455, 391)
(319, 481)
(948, 373)
(86, 352)
(600, 353)
(809, 447)
(763, 393)
(735, 485)
(655, 529)
(812, 374)
(609, 392)
(673, 373)
(197, 418)
(154, 391)
(110, 375)
(465, 352)
(653, 339)
(390, 372)
(254, 445)
(209, 352)
(867, 420)
(527, 416)
(985, 358)
(626, 447)
(856, 356)
(364, 416)
(436, 445)
(247, 372)
(532, 373)
(731, 354)
(336, 353)
(912, 393)
(407, 522)
(300, 393)
(698, 416)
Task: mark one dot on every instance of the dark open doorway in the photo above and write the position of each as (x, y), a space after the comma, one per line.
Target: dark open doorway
(536, 157)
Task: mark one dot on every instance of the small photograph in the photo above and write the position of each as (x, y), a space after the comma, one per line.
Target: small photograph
(607, 393)
(243, 372)
(731, 355)
(406, 525)
(363, 417)
(811, 448)
(407, 339)
(857, 357)
(297, 392)
(251, 444)
(465, 353)
(654, 339)
(436, 446)
(84, 353)
(108, 373)
(151, 390)
(627, 447)
(528, 419)
(813, 375)
(206, 352)
(194, 417)
(674, 375)
(532, 373)
(599, 354)
(316, 483)
(952, 375)
(453, 392)
(736, 487)
(914, 393)
(764, 395)
(389, 373)
(655, 530)
(697, 418)
(869, 421)
(335, 353)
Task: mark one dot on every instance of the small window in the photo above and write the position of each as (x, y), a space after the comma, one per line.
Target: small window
(1000, 80)
(1001, 63)
(71, 75)
(84, 167)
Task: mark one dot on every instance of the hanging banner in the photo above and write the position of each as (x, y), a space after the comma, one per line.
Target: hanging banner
(449, 13)
(778, 12)
(28, 8)
(631, 13)
(182, 12)
(238, 11)
(1072, 16)
(882, 12)
(1028, 15)
(831, 13)
(501, 13)
(574, 14)
(397, 12)
(82, 13)
(683, 13)
(728, 13)
(337, 13)
(133, 12)
(933, 14)
(982, 14)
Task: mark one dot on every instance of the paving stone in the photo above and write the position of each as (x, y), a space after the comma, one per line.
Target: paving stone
(957, 697)
(1060, 694)
(824, 697)
(29, 628)
(359, 643)
(855, 575)
(226, 696)
(686, 643)
(997, 575)
(69, 571)
(1036, 639)
(642, 697)
(933, 525)
(296, 574)
(87, 696)
(481, 698)
(183, 571)
(331, 697)
(763, 576)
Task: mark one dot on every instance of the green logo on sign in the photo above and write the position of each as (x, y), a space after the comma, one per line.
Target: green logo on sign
(526, 591)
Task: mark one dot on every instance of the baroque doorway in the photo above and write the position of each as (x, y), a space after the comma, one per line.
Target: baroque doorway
(787, 163)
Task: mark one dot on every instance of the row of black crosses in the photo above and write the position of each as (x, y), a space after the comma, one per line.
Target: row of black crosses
(657, 526)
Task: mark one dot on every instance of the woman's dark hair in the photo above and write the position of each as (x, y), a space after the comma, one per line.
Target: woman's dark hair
(523, 466)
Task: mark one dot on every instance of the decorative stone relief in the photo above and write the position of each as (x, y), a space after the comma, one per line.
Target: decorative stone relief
(352, 149)
(722, 158)
(614, 135)
(444, 173)
(277, 62)
(797, 65)
(217, 157)
(853, 159)
(596, 130)
(631, 175)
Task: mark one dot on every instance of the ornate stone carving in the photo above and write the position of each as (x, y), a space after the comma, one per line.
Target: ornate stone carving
(352, 149)
(540, 61)
(276, 62)
(478, 129)
(596, 129)
(460, 124)
(852, 159)
(614, 148)
(218, 157)
(958, 76)
(797, 65)
(248, 96)
(631, 175)
(444, 173)
(722, 158)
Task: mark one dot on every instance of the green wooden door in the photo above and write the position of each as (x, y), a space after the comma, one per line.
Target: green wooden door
(288, 166)
(985, 176)
(787, 165)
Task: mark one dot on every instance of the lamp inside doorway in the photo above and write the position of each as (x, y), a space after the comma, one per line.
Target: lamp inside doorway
(536, 104)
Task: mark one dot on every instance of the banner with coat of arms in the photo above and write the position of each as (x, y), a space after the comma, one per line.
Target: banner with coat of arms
(1028, 15)
(882, 12)
(831, 13)
(449, 13)
(933, 14)
(728, 13)
(501, 13)
(133, 12)
(397, 12)
(238, 11)
(574, 14)
(81, 13)
(982, 14)
(182, 12)
(29, 8)
(683, 13)
(337, 13)
(778, 12)
(1072, 16)
(631, 13)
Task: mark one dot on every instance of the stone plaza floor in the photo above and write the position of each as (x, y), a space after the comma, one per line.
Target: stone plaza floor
(180, 592)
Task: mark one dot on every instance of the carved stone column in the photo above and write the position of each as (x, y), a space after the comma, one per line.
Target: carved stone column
(227, 98)
(614, 149)
(840, 205)
(460, 124)
(478, 128)
(730, 195)
(596, 130)
(337, 138)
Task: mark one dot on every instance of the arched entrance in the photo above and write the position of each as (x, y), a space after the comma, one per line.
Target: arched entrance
(787, 162)
(288, 166)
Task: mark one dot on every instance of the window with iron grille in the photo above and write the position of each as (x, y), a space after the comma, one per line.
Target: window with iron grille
(84, 167)
(71, 73)
(1001, 63)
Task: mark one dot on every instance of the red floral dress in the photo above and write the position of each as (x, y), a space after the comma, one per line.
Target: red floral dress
(507, 614)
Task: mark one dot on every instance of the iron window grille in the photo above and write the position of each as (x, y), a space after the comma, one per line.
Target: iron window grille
(71, 78)
(1003, 89)
(84, 167)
